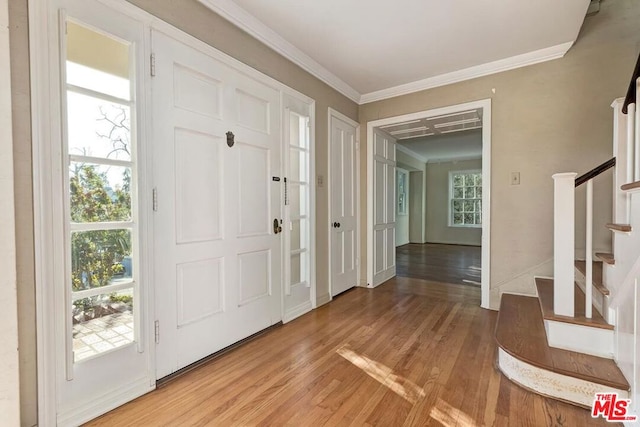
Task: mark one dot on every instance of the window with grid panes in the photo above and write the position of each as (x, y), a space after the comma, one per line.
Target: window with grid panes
(465, 199)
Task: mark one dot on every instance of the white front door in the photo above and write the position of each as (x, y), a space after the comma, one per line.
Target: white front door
(217, 249)
(343, 221)
(384, 209)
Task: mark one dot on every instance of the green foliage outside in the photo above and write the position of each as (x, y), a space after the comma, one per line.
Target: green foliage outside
(97, 256)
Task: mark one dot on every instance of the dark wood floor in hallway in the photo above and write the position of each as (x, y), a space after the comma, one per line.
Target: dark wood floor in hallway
(403, 354)
(440, 263)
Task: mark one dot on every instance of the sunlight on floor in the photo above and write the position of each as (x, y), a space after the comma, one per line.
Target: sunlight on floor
(449, 416)
(384, 375)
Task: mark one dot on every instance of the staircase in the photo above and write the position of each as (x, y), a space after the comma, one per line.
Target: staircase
(581, 334)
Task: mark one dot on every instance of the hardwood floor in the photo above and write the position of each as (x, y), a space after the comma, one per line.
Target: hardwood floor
(403, 354)
(441, 263)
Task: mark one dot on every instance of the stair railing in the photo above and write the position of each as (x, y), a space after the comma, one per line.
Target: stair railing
(564, 239)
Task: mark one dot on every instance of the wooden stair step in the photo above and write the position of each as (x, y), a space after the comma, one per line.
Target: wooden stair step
(625, 228)
(632, 186)
(607, 258)
(520, 332)
(598, 283)
(545, 295)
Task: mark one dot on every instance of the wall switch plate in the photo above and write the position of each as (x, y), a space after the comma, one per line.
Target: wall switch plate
(515, 178)
(320, 181)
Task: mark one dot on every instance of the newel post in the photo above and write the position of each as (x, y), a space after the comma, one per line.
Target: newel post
(563, 243)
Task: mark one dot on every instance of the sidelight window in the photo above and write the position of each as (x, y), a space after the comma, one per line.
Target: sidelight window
(101, 181)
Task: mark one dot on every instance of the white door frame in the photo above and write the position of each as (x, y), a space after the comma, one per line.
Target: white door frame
(485, 104)
(333, 113)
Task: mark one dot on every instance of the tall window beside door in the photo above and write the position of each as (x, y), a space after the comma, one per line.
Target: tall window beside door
(101, 204)
(465, 198)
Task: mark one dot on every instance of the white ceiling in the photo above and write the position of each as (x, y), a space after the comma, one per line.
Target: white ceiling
(446, 147)
(376, 49)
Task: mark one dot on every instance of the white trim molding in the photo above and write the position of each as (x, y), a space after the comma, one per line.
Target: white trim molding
(518, 61)
(242, 19)
(485, 104)
(9, 358)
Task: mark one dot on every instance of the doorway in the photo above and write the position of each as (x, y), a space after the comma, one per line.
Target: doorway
(461, 180)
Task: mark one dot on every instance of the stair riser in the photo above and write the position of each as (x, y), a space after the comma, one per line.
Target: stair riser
(551, 384)
(584, 339)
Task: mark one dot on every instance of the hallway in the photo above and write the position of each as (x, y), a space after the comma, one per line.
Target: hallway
(440, 263)
(401, 354)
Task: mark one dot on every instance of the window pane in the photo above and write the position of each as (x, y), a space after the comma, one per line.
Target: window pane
(296, 268)
(99, 193)
(468, 218)
(102, 323)
(468, 206)
(97, 61)
(469, 192)
(458, 193)
(457, 206)
(98, 128)
(90, 78)
(457, 218)
(479, 192)
(298, 199)
(298, 165)
(458, 181)
(478, 218)
(478, 206)
(99, 258)
(299, 232)
(478, 179)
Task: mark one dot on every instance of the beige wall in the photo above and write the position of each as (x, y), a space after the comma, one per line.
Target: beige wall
(546, 118)
(195, 19)
(437, 223)
(417, 200)
(9, 362)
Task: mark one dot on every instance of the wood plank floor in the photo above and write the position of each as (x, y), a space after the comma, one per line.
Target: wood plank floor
(403, 354)
(441, 263)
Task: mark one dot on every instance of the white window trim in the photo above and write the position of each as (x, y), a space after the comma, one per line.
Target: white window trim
(405, 173)
(450, 199)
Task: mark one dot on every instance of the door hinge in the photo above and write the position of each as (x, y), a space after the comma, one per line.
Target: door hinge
(154, 198)
(153, 65)
(157, 331)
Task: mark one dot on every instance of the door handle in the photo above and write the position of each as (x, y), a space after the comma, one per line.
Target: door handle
(276, 226)
(336, 225)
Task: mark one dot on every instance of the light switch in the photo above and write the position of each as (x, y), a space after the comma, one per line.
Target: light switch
(515, 178)
(320, 181)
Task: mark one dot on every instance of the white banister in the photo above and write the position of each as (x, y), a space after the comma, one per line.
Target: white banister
(632, 174)
(563, 243)
(589, 252)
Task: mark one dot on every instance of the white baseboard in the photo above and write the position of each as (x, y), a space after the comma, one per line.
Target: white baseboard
(322, 299)
(551, 384)
(297, 311)
(87, 411)
(584, 339)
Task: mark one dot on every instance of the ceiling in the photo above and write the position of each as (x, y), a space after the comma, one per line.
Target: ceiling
(441, 138)
(377, 49)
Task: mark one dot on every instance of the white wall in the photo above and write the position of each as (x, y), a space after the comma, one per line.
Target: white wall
(9, 380)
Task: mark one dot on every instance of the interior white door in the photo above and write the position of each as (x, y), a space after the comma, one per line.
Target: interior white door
(384, 209)
(343, 205)
(218, 255)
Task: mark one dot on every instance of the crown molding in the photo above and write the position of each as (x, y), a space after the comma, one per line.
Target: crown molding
(530, 58)
(233, 13)
(410, 152)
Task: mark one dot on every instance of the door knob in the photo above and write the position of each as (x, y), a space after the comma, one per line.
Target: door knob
(276, 226)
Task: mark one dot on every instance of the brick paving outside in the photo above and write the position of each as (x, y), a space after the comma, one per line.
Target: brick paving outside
(102, 334)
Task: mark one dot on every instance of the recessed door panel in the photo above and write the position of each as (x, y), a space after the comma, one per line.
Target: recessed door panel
(199, 290)
(199, 184)
(197, 92)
